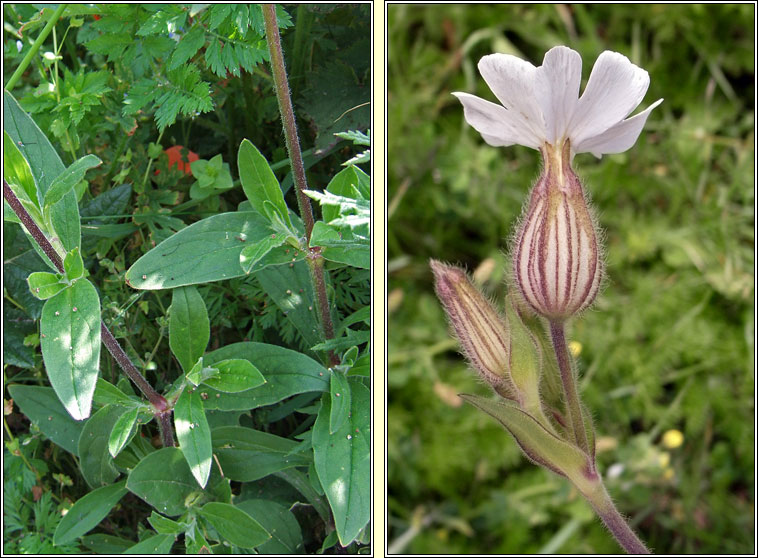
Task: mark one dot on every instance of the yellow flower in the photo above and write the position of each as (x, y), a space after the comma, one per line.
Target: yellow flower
(672, 439)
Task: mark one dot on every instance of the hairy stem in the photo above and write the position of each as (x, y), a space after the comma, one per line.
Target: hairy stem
(573, 407)
(601, 502)
(315, 260)
(35, 47)
(156, 399)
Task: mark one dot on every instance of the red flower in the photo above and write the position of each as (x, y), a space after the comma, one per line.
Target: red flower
(175, 158)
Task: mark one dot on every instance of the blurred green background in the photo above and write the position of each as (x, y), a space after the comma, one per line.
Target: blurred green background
(668, 350)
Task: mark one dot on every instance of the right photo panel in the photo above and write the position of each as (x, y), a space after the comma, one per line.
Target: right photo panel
(570, 279)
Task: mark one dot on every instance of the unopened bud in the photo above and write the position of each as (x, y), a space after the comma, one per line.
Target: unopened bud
(481, 331)
(557, 262)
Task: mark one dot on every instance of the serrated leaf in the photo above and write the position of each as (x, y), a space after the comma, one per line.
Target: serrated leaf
(70, 340)
(44, 285)
(194, 434)
(42, 406)
(88, 512)
(66, 180)
(206, 251)
(235, 375)
(189, 329)
(122, 431)
(187, 47)
(343, 464)
(234, 525)
(259, 182)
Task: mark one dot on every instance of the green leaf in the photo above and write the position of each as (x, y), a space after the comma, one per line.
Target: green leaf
(342, 246)
(163, 480)
(200, 373)
(87, 512)
(277, 519)
(539, 445)
(45, 165)
(73, 265)
(189, 329)
(100, 543)
(259, 182)
(339, 391)
(343, 464)
(95, 461)
(346, 183)
(44, 285)
(194, 434)
(291, 289)
(164, 525)
(187, 47)
(17, 172)
(157, 544)
(66, 180)
(206, 251)
(108, 394)
(287, 373)
(70, 340)
(255, 251)
(247, 455)
(235, 375)
(122, 431)
(234, 525)
(42, 406)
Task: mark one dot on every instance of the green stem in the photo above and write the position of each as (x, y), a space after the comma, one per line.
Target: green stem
(601, 502)
(35, 47)
(315, 260)
(573, 407)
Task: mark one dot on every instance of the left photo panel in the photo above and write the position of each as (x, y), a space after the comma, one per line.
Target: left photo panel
(187, 278)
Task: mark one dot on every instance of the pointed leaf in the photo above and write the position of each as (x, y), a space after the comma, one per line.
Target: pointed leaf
(234, 525)
(95, 461)
(247, 455)
(189, 329)
(343, 463)
(42, 406)
(163, 480)
(194, 434)
(157, 544)
(122, 431)
(537, 443)
(66, 180)
(70, 340)
(235, 375)
(286, 535)
(259, 182)
(73, 265)
(206, 251)
(164, 525)
(254, 252)
(339, 389)
(17, 173)
(87, 512)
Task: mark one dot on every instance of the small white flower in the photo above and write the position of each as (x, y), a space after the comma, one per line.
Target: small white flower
(542, 105)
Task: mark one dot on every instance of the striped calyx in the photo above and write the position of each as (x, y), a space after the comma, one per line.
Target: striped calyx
(557, 261)
(480, 329)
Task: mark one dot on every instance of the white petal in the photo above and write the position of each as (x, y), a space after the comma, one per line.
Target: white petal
(615, 88)
(557, 90)
(618, 138)
(496, 124)
(513, 82)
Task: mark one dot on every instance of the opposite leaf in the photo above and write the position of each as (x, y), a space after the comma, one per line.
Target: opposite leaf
(87, 512)
(122, 431)
(69, 178)
(193, 434)
(189, 328)
(259, 182)
(44, 285)
(234, 525)
(73, 265)
(70, 340)
(235, 375)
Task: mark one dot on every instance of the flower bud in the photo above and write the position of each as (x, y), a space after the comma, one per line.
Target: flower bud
(481, 331)
(557, 261)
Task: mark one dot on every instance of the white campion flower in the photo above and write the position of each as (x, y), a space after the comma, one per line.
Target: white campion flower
(557, 257)
(542, 105)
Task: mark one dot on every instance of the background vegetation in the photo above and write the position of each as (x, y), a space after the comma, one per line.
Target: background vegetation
(137, 85)
(670, 344)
